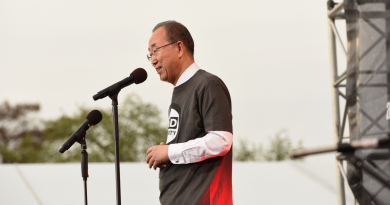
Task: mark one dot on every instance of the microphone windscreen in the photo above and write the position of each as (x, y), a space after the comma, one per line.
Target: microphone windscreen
(95, 116)
(139, 75)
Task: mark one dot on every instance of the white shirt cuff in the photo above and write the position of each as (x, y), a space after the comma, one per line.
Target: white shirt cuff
(175, 153)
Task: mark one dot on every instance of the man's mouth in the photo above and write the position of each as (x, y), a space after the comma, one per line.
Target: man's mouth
(158, 69)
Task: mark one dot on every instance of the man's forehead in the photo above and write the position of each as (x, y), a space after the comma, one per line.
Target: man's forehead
(157, 37)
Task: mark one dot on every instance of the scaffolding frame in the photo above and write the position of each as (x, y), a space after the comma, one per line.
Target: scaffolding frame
(335, 12)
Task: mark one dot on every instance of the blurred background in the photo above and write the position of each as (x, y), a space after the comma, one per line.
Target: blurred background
(55, 55)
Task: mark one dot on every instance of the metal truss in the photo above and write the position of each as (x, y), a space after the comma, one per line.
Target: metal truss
(335, 12)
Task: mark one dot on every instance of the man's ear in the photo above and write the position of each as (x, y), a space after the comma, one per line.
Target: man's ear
(181, 49)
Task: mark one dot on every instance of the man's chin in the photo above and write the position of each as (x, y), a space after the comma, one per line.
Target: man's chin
(163, 78)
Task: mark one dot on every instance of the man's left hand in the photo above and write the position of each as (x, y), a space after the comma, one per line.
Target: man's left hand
(157, 156)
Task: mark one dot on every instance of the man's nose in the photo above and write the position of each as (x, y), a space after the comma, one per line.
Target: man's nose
(153, 60)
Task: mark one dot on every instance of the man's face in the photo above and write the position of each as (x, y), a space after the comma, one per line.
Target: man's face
(164, 60)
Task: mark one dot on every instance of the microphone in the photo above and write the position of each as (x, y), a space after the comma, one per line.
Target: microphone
(93, 118)
(344, 147)
(138, 76)
(81, 136)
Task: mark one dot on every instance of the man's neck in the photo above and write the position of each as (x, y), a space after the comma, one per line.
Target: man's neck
(187, 74)
(183, 67)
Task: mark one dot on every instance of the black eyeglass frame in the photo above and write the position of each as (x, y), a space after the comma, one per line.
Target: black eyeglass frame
(149, 56)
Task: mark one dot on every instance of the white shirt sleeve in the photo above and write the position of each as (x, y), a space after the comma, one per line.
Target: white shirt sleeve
(213, 144)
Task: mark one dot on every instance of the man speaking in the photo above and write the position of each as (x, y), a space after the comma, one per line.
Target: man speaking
(196, 162)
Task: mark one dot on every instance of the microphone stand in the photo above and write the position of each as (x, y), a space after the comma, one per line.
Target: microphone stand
(139, 75)
(347, 153)
(114, 99)
(84, 166)
(359, 162)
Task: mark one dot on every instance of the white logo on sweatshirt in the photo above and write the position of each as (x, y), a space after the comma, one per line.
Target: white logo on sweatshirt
(173, 125)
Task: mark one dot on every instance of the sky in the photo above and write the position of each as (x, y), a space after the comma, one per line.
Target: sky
(272, 55)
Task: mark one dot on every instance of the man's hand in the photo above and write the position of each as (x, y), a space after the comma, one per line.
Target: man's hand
(157, 156)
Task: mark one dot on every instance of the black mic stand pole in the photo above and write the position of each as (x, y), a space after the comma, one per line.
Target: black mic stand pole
(114, 99)
(84, 166)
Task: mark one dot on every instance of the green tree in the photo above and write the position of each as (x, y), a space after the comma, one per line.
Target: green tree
(20, 133)
(139, 128)
(279, 149)
(246, 151)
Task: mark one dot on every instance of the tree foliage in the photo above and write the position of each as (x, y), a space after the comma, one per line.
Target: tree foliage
(139, 128)
(245, 151)
(279, 149)
(20, 134)
(25, 139)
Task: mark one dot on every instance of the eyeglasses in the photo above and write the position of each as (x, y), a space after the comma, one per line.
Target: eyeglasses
(149, 56)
